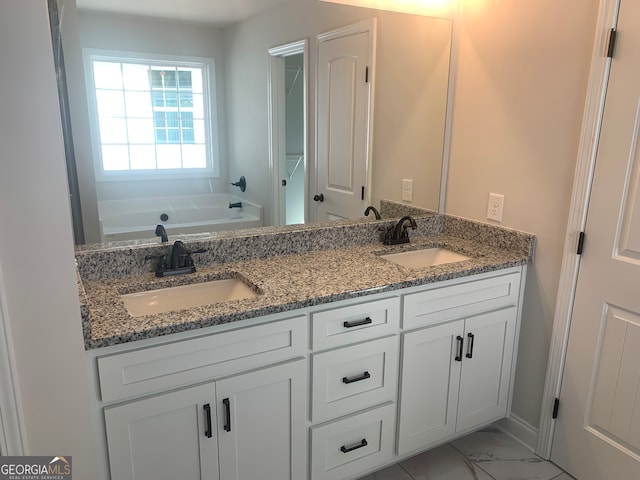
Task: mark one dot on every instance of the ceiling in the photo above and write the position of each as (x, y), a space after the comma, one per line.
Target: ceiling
(216, 12)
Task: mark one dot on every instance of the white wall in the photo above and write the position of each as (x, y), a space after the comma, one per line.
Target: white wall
(36, 244)
(519, 98)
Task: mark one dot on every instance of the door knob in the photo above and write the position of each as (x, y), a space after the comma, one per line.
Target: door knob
(318, 198)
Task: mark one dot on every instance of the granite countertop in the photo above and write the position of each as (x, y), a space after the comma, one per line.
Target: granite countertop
(296, 280)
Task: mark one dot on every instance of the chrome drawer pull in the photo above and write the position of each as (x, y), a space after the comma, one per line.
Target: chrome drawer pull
(363, 443)
(364, 376)
(357, 323)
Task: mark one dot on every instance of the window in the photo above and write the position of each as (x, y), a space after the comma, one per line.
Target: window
(151, 116)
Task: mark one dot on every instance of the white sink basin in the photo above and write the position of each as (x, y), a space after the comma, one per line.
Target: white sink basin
(168, 299)
(425, 258)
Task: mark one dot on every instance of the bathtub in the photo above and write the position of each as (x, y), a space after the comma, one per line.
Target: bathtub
(137, 218)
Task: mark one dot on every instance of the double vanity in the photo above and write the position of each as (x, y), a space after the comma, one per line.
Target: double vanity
(307, 352)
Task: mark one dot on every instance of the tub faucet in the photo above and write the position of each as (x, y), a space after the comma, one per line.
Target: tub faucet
(161, 232)
(398, 234)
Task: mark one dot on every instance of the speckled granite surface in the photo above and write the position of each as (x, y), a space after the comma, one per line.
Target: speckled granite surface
(291, 269)
(391, 209)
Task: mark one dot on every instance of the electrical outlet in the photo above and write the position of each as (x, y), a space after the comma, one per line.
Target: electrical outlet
(496, 206)
(407, 190)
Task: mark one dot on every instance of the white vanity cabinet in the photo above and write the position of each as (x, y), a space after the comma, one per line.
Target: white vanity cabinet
(251, 422)
(233, 426)
(329, 392)
(456, 371)
(163, 436)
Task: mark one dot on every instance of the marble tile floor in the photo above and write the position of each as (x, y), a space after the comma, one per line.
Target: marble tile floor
(485, 455)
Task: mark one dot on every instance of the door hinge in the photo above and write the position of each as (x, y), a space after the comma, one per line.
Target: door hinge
(580, 243)
(556, 405)
(613, 34)
(366, 75)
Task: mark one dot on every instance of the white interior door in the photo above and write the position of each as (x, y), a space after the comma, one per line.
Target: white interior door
(597, 433)
(344, 119)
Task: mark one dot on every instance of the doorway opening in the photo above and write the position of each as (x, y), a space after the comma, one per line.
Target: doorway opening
(288, 126)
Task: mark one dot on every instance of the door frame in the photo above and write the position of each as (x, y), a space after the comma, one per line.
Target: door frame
(588, 148)
(12, 436)
(277, 141)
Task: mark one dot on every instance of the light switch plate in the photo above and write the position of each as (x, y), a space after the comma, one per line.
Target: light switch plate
(407, 189)
(496, 206)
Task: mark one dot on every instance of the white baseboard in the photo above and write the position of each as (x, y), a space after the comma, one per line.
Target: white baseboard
(520, 430)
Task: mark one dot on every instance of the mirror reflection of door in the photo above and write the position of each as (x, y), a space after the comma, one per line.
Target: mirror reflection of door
(294, 171)
(345, 92)
(288, 131)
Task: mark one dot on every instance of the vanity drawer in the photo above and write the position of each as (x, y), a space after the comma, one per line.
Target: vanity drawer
(353, 378)
(457, 301)
(354, 323)
(163, 367)
(354, 444)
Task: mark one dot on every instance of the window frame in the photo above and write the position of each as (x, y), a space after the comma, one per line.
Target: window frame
(212, 143)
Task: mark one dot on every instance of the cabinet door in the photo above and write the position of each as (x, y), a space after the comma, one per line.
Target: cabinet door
(429, 391)
(165, 436)
(486, 368)
(261, 423)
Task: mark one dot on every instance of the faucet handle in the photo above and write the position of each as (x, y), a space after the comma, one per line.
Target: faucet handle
(187, 261)
(161, 264)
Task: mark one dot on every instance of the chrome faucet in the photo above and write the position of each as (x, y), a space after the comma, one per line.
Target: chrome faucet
(398, 234)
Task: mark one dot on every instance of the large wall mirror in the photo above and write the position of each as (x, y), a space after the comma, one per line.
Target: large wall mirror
(171, 47)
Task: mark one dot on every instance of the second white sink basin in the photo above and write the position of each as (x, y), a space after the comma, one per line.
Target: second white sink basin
(427, 257)
(168, 299)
